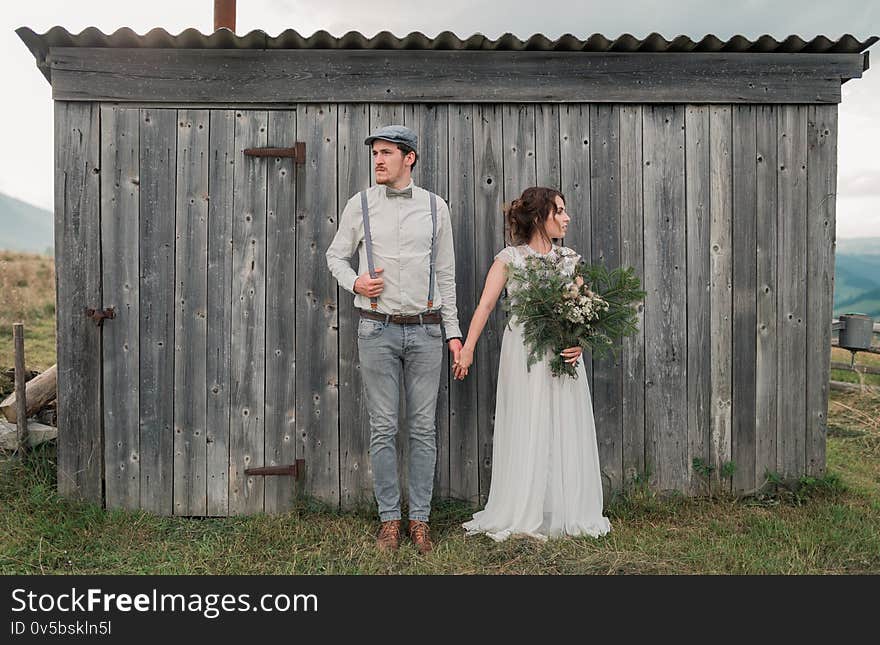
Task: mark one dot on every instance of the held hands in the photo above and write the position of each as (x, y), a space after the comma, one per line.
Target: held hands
(462, 362)
(370, 287)
(572, 354)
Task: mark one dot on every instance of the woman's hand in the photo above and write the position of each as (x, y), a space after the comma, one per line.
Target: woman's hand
(571, 355)
(465, 360)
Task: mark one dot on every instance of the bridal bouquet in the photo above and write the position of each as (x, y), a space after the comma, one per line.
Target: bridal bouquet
(589, 307)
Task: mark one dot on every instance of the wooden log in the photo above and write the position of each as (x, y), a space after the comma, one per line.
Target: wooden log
(861, 369)
(20, 388)
(840, 386)
(39, 392)
(37, 433)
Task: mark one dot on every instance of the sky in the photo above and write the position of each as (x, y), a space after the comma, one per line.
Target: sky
(26, 123)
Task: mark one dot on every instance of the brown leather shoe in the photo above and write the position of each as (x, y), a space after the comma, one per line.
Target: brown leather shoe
(389, 536)
(420, 534)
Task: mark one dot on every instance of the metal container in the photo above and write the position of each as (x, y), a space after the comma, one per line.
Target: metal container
(856, 331)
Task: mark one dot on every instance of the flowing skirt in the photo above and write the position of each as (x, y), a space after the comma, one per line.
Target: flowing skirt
(546, 480)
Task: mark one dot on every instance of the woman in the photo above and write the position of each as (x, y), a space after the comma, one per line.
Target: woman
(545, 462)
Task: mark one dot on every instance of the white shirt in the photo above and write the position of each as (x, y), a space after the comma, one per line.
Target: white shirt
(400, 228)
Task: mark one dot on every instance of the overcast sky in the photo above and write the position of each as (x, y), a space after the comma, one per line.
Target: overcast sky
(26, 124)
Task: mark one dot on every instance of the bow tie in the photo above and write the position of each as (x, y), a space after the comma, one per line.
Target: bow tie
(393, 192)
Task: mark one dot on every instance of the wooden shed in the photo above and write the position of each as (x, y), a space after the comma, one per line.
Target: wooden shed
(709, 166)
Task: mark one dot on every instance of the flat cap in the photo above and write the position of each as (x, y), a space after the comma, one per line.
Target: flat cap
(395, 134)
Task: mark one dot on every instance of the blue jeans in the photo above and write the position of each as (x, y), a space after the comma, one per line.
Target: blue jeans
(389, 352)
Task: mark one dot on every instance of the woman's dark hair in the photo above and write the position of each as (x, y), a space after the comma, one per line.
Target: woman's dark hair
(529, 212)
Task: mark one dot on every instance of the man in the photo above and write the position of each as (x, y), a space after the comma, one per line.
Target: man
(405, 290)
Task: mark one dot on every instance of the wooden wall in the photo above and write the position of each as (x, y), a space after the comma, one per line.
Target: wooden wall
(233, 346)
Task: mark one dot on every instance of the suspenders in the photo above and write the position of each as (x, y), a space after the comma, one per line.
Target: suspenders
(368, 241)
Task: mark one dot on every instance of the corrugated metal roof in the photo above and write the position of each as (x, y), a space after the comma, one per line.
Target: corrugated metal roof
(39, 44)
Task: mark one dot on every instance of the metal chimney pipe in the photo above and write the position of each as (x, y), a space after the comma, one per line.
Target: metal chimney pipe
(224, 14)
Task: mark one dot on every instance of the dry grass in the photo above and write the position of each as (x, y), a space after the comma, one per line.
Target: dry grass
(27, 282)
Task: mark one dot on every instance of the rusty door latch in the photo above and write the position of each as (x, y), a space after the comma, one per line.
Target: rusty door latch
(98, 315)
(291, 470)
(297, 153)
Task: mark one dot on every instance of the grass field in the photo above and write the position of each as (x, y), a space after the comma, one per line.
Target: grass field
(828, 525)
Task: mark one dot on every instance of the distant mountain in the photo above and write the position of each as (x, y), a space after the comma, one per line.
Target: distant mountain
(25, 227)
(857, 277)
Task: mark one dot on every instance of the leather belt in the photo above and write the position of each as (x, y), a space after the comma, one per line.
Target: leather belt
(428, 318)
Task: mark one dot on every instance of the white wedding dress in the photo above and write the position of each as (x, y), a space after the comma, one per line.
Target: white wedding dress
(546, 480)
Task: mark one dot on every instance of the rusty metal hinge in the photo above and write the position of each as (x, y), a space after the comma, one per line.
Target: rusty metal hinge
(291, 470)
(297, 153)
(98, 315)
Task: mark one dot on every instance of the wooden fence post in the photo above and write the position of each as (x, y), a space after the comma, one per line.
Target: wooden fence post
(20, 400)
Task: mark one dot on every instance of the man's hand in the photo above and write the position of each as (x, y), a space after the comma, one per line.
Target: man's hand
(370, 287)
(455, 348)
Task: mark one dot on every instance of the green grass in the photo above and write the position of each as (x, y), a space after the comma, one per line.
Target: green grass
(829, 525)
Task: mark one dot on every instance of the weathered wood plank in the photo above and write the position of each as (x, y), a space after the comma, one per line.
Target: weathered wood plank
(247, 349)
(520, 168)
(605, 203)
(489, 240)
(281, 313)
(821, 217)
(317, 349)
(574, 150)
(547, 155)
(190, 315)
(121, 345)
(431, 123)
(463, 401)
(158, 176)
(355, 473)
(120, 74)
(78, 284)
(792, 271)
(699, 320)
(219, 322)
(743, 447)
(720, 287)
(766, 350)
(632, 253)
(666, 286)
